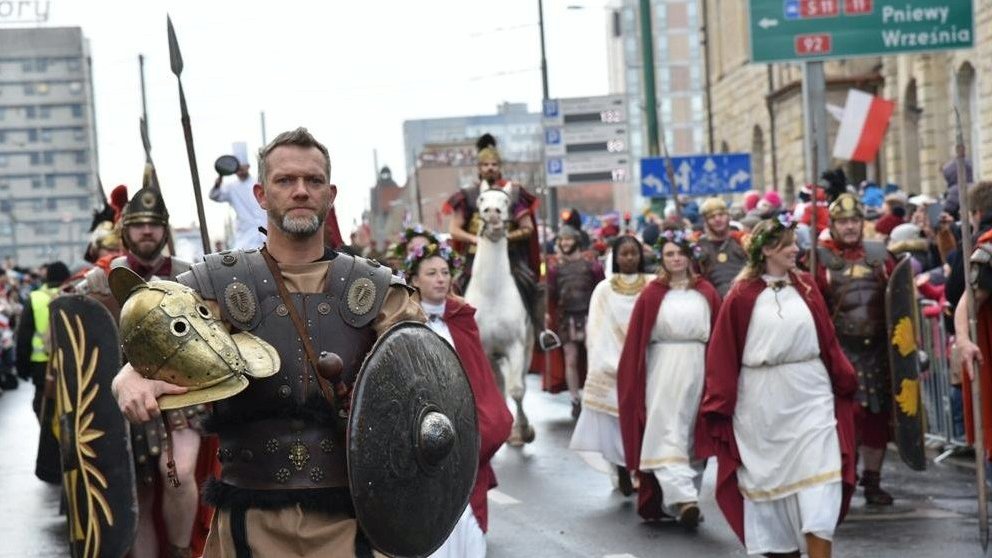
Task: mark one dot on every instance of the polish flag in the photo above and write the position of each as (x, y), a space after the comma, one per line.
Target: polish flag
(862, 129)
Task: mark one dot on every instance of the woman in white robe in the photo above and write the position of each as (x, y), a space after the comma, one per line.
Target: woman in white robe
(778, 405)
(597, 433)
(660, 381)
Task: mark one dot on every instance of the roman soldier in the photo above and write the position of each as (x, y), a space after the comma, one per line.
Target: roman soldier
(853, 276)
(183, 523)
(466, 226)
(723, 257)
(572, 277)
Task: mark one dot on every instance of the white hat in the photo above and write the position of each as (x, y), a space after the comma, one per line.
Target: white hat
(922, 199)
(905, 231)
(240, 151)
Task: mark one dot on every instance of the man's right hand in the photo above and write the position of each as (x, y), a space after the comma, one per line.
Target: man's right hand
(137, 396)
(969, 353)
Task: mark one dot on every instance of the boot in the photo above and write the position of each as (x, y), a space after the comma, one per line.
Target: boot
(624, 484)
(689, 516)
(179, 552)
(874, 495)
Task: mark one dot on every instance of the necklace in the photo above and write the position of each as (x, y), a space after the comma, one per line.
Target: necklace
(629, 289)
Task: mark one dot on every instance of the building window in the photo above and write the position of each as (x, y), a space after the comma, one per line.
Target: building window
(49, 181)
(3, 112)
(30, 112)
(46, 136)
(32, 135)
(35, 159)
(41, 64)
(35, 183)
(29, 89)
(79, 134)
(77, 111)
(41, 88)
(75, 87)
(84, 204)
(74, 64)
(81, 156)
(48, 157)
(27, 65)
(52, 204)
(3, 160)
(44, 112)
(82, 181)
(3, 136)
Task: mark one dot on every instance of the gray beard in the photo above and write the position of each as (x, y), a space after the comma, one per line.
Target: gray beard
(299, 227)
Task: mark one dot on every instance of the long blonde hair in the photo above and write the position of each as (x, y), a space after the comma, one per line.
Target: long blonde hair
(771, 234)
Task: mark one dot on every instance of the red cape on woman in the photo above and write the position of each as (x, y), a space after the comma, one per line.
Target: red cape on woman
(723, 366)
(632, 379)
(495, 419)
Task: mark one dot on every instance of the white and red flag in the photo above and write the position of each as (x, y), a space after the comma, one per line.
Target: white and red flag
(862, 129)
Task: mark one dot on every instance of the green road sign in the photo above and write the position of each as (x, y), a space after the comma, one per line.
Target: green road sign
(796, 30)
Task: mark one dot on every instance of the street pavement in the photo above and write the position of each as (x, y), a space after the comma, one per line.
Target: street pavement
(550, 503)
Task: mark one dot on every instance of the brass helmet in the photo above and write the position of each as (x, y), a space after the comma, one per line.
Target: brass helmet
(170, 334)
(711, 206)
(147, 206)
(847, 205)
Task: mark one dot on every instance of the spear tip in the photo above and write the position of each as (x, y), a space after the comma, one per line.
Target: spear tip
(175, 57)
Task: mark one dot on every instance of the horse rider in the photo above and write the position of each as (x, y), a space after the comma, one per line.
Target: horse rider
(466, 226)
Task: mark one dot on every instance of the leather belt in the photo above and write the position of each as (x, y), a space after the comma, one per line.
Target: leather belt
(276, 454)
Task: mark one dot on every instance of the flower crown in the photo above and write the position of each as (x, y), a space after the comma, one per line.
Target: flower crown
(682, 239)
(779, 224)
(440, 249)
(409, 234)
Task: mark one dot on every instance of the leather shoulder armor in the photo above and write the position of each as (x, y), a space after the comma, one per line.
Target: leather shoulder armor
(830, 259)
(875, 253)
(365, 285)
(230, 278)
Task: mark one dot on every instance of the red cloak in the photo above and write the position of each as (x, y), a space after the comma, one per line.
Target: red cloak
(723, 366)
(495, 419)
(984, 318)
(632, 379)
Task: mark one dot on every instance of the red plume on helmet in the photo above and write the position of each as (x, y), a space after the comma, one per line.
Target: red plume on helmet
(118, 199)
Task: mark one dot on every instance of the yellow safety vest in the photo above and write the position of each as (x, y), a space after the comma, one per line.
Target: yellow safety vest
(40, 299)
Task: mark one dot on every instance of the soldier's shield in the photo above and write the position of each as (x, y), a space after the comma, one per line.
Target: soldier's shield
(903, 328)
(413, 441)
(97, 465)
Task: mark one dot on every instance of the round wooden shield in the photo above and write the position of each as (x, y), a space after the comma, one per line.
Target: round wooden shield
(413, 441)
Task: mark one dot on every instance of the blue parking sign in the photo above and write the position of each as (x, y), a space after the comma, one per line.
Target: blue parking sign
(550, 108)
(552, 136)
(555, 166)
(792, 9)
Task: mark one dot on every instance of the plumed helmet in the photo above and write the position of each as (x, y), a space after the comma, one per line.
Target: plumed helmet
(486, 145)
(170, 334)
(711, 206)
(147, 206)
(568, 230)
(846, 206)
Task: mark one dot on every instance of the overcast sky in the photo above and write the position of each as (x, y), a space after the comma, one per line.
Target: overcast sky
(351, 72)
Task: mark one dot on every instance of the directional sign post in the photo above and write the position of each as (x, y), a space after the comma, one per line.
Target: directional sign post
(586, 140)
(791, 30)
(697, 175)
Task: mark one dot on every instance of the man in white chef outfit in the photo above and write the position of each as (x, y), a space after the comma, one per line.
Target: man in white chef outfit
(238, 193)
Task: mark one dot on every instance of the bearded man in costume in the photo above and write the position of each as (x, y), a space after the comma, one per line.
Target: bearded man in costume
(572, 277)
(283, 486)
(466, 226)
(852, 275)
(723, 257)
(172, 488)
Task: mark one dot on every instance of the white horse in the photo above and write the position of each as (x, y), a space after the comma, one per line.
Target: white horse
(504, 325)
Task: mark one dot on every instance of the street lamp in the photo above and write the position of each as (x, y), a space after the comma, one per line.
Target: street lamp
(552, 209)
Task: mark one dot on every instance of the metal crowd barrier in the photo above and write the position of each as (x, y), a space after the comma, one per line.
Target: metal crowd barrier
(937, 391)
